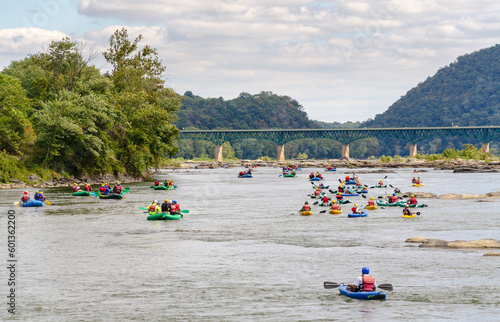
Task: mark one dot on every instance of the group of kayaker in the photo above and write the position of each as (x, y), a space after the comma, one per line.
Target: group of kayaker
(37, 196)
(167, 183)
(243, 173)
(416, 181)
(168, 206)
(317, 175)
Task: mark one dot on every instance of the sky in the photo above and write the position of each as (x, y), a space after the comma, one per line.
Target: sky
(341, 60)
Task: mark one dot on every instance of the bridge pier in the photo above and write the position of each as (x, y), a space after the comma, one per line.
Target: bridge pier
(218, 153)
(280, 153)
(413, 150)
(345, 151)
(485, 147)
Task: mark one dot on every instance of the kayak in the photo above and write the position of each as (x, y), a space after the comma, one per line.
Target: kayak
(378, 295)
(379, 186)
(306, 213)
(410, 216)
(363, 191)
(322, 204)
(320, 196)
(324, 187)
(165, 216)
(343, 201)
(111, 196)
(246, 176)
(81, 194)
(385, 203)
(32, 203)
(289, 175)
(363, 214)
(350, 194)
(403, 204)
(418, 185)
(371, 207)
(335, 212)
(315, 179)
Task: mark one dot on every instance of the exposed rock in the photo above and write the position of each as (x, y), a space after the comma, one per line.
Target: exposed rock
(14, 180)
(459, 196)
(493, 194)
(421, 194)
(475, 170)
(492, 254)
(416, 239)
(483, 200)
(48, 183)
(482, 243)
(33, 177)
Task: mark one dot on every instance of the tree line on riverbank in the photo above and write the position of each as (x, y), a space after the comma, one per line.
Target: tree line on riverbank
(60, 115)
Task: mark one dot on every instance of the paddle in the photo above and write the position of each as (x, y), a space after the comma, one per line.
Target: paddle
(390, 185)
(385, 177)
(322, 211)
(17, 203)
(316, 202)
(185, 211)
(371, 187)
(363, 196)
(48, 203)
(387, 287)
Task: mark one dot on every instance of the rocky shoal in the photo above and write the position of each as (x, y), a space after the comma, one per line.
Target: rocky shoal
(456, 244)
(37, 182)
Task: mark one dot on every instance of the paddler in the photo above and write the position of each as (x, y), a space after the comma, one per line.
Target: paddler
(75, 187)
(355, 209)
(365, 282)
(325, 200)
(412, 201)
(371, 202)
(406, 211)
(117, 188)
(335, 206)
(317, 192)
(392, 199)
(380, 183)
(87, 187)
(339, 196)
(153, 208)
(38, 196)
(177, 207)
(25, 198)
(306, 207)
(157, 183)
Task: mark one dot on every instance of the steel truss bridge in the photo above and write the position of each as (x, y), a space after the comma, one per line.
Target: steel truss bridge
(412, 135)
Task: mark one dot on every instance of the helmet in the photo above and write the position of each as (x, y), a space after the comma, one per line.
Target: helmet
(371, 198)
(365, 270)
(174, 202)
(36, 191)
(393, 194)
(412, 196)
(74, 183)
(166, 200)
(41, 192)
(355, 204)
(155, 201)
(116, 181)
(306, 203)
(334, 201)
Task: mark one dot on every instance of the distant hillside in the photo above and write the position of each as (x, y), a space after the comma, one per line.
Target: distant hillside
(261, 111)
(465, 93)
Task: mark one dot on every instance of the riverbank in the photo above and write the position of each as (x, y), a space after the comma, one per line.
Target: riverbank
(36, 182)
(454, 165)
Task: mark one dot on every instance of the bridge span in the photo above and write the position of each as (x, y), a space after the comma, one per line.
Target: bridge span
(412, 135)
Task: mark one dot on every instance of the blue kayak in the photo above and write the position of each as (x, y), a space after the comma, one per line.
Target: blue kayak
(32, 203)
(350, 194)
(246, 176)
(351, 182)
(363, 214)
(315, 179)
(379, 295)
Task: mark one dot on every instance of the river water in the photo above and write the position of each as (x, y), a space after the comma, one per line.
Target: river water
(243, 253)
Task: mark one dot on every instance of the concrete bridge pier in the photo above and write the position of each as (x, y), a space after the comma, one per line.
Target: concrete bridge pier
(218, 153)
(413, 150)
(345, 151)
(280, 153)
(485, 147)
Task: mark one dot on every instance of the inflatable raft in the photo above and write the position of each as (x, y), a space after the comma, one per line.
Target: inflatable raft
(385, 203)
(350, 182)
(165, 216)
(306, 213)
(350, 194)
(162, 187)
(330, 169)
(418, 185)
(289, 175)
(111, 196)
(363, 214)
(324, 187)
(248, 175)
(315, 179)
(403, 204)
(32, 203)
(81, 194)
(335, 212)
(371, 207)
(410, 216)
(379, 295)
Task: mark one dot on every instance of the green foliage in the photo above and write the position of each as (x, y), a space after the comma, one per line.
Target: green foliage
(15, 128)
(385, 159)
(228, 152)
(302, 156)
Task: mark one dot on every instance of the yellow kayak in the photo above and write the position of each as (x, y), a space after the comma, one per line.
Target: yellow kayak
(418, 185)
(306, 213)
(410, 216)
(335, 212)
(371, 207)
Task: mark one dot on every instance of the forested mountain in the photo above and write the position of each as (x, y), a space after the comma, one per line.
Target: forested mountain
(261, 111)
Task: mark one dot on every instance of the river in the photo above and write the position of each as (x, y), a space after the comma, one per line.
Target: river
(243, 253)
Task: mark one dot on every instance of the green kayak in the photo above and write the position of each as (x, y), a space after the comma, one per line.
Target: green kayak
(162, 187)
(322, 204)
(289, 175)
(379, 186)
(404, 204)
(385, 203)
(342, 201)
(165, 216)
(111, 196)
(82, 194)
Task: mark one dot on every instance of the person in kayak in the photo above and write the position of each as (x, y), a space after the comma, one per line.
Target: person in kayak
(396, 190)
(325, 199)
(25, 198)
(87, 187)
(157, 183)
(413, 180)
(406, 211)
(412, 201)
(340, 189)
(335, 205)
(371, 202)
(117, 188)
(365, 282)
(346, 178)
(306, 207)
(311, 175)
(153, 207)
(355, 209)
(75, 187)
(38, 196)
(317, 192)
(380, 183)
(339, 196)
(165, 206)
(392, 199)
(177, 207)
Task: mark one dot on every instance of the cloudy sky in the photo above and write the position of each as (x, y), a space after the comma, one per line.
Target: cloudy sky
(342, 60)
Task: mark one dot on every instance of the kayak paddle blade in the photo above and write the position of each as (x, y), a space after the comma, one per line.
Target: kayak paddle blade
(330, 285)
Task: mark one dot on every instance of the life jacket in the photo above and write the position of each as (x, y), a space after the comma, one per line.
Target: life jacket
(177, 207)
(335, 206)
(86, 188)
(325, 199)
(25, 197)
(157, 183)
(101, 189)
(117, 189)
(38, 196)
(347, 178)
(393, 199)
(307, 207)
(371, 203)
(340, 189)
(316, 192)
(368, 282)
(406, 212)
(152, 208)
(413, 201)
(311, 175)
(75, 188)
(354, 209)
(172, 208)
(339, 197)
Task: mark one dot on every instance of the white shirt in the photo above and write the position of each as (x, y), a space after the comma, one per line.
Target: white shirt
(359, 281)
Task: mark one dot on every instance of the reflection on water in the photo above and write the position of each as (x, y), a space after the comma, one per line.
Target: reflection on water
(243, 253)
